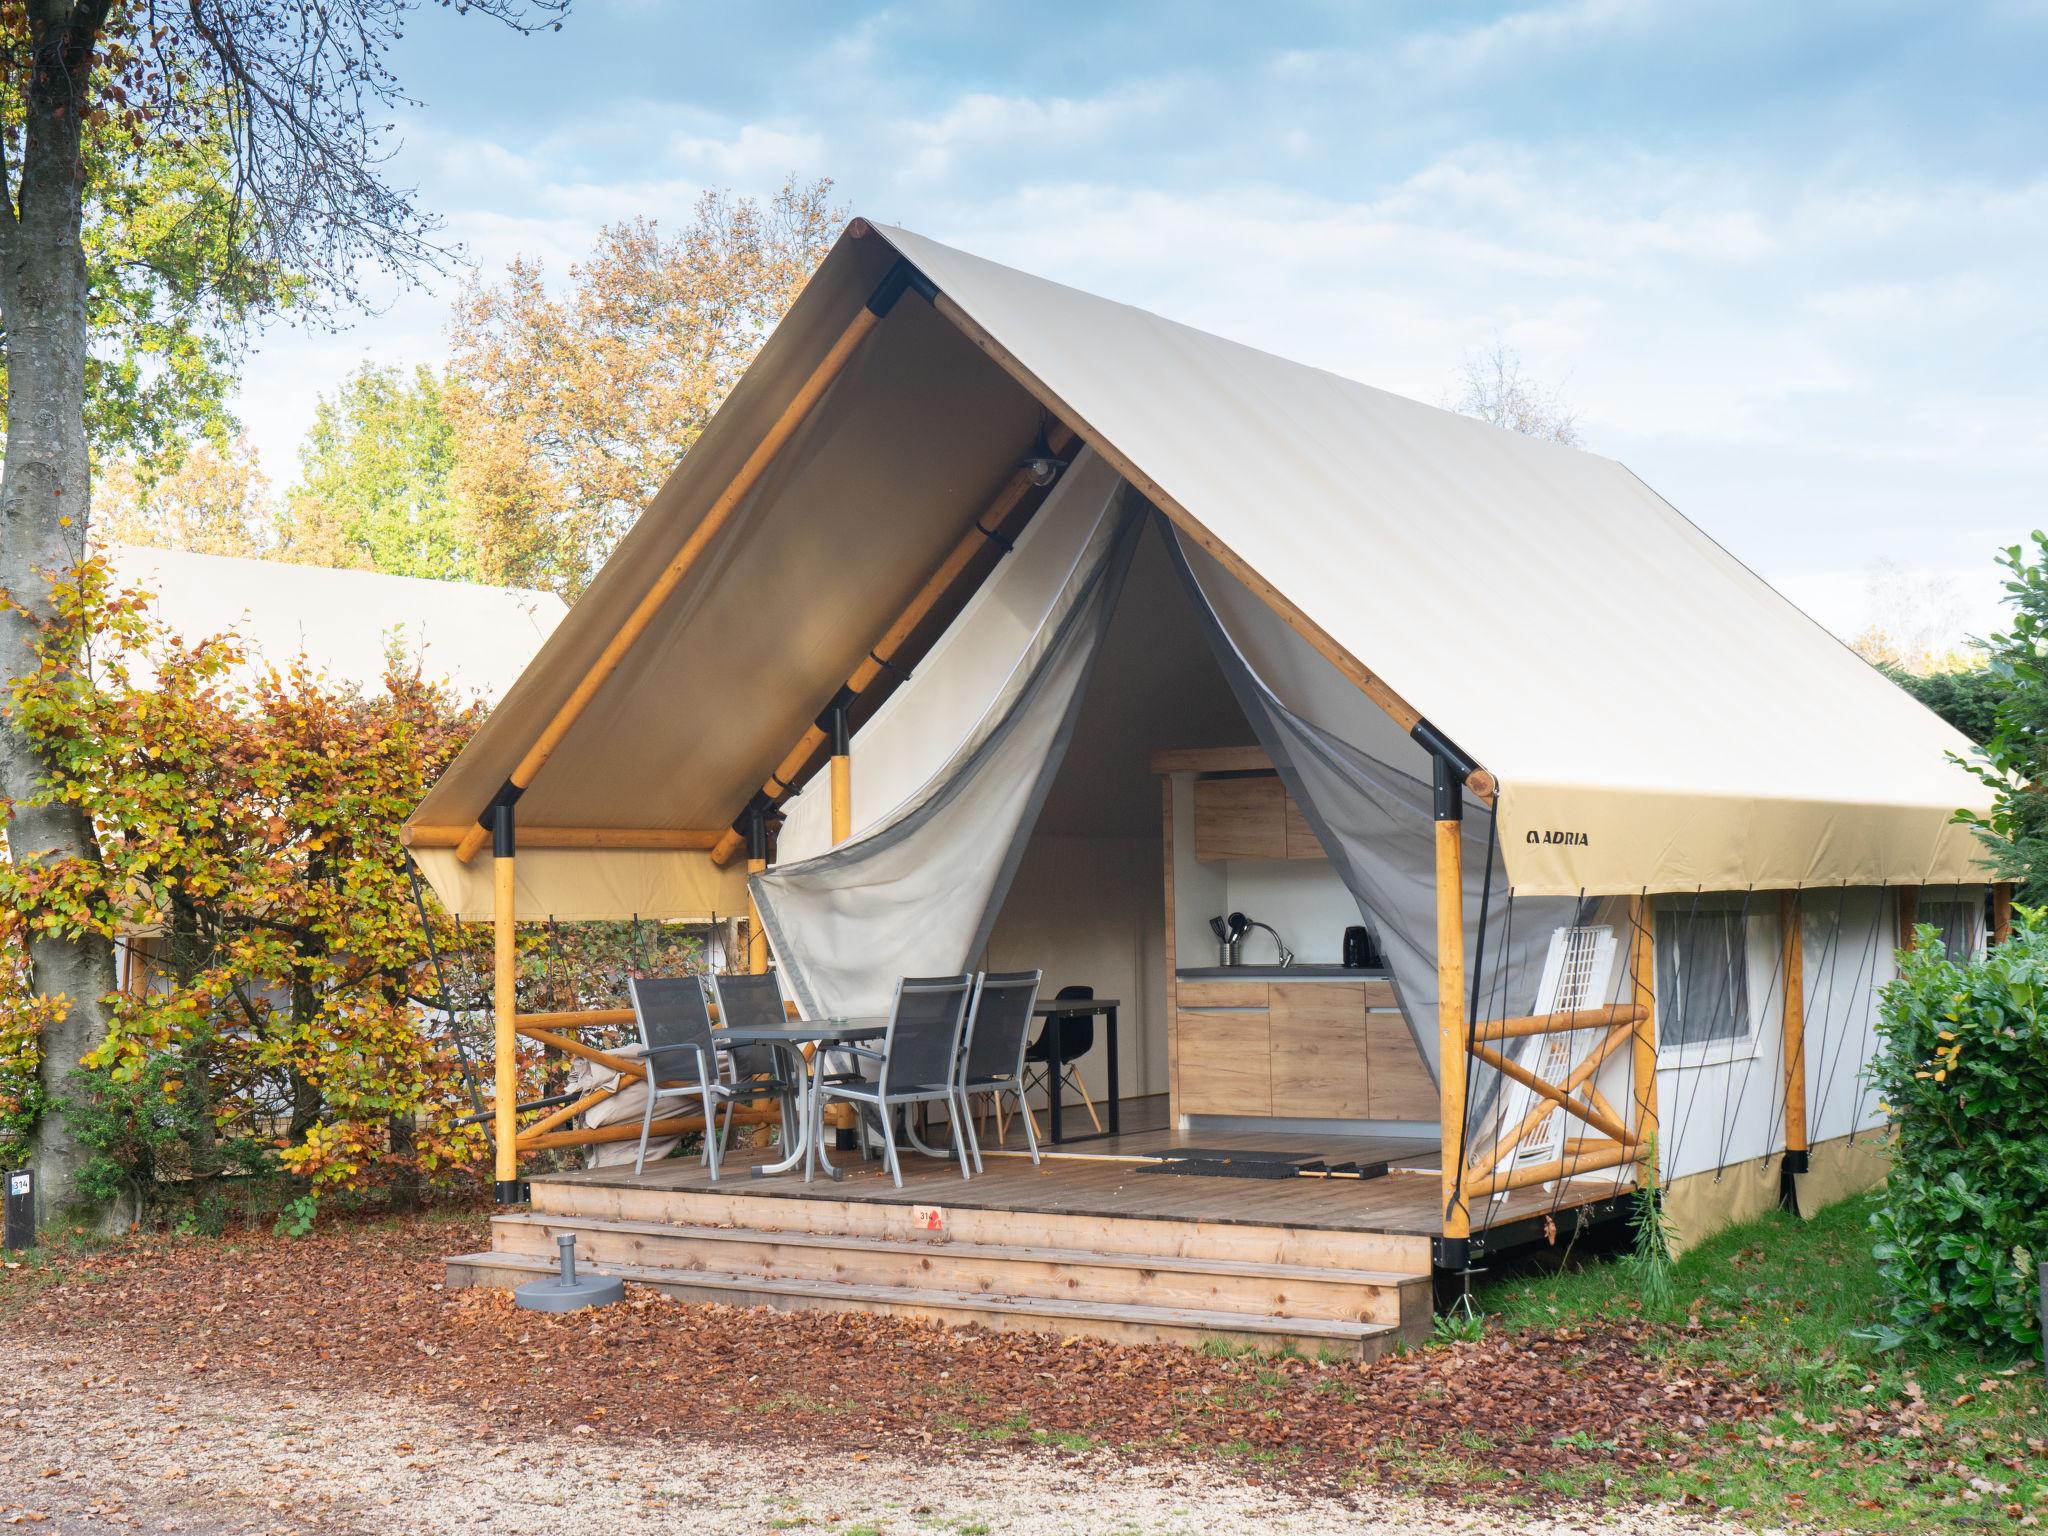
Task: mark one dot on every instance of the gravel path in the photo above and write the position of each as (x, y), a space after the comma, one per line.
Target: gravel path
(88, 1447)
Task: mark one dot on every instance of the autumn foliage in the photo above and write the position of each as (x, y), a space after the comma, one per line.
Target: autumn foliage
(247, 818)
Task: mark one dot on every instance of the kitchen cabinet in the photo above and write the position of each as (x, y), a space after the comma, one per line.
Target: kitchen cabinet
(1317, 1033)
(1250, 816)
(1300, 1050)
(1400, 1087)
(1225, 1061)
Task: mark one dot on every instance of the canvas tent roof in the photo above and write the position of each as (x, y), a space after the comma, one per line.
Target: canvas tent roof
(1656, 716)
(474, 637)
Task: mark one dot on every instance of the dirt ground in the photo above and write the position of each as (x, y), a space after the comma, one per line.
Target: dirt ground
(93, 1445)
(331, 1384)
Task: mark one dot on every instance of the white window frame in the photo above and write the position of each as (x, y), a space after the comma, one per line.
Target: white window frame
(1759, 939)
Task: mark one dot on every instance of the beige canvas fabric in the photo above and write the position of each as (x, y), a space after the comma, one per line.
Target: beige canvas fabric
(1657, 716)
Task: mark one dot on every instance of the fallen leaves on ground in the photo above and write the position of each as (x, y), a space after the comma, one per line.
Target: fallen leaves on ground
(363, 1308)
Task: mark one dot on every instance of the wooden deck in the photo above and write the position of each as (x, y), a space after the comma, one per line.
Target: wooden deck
(1116, 1178)
(1093, 1240)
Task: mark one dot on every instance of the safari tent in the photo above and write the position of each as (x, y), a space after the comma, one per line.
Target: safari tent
(994, 625)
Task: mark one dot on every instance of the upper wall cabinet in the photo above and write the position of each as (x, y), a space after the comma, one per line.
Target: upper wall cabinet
(1250, 817)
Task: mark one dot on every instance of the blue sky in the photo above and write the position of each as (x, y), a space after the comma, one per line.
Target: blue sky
(1790, 261)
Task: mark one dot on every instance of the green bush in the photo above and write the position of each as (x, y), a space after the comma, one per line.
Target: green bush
(1963, 1068)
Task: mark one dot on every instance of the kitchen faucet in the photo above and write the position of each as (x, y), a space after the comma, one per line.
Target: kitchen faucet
(1240, 924)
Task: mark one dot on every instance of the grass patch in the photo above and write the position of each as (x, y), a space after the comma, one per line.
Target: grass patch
(1909, 1439)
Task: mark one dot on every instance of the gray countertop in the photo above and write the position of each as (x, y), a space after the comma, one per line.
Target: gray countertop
(1276, 973)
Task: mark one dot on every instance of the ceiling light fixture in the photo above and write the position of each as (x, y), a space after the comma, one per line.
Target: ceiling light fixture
(1041, 463)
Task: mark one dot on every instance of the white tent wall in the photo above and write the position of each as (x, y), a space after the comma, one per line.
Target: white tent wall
(897, 751)
(916, 893)
(1092, 911)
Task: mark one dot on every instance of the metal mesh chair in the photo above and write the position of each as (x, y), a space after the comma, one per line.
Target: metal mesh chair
(682, 1061)
(681, 1051)
(750, 1002)
(992, 1058)
(918, 1063)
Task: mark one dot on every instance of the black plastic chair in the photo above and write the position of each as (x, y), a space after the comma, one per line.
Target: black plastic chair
(1077, 1039)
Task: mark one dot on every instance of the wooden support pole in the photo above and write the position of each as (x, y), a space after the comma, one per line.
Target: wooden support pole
(505, 1003)
(840, 723)
(2001, 911)
(757, 941)
(1564, 1023)
(972, 542)
(715, 517)
(1602, 1117)
(578, 1018)
(842, 798)
(569, 1045)
(757, 861)
(1642, 968)
(1546, 1173)
(629, 1129)
(1452, 1065)
(1794, 965)
(1560, 1094)
(1908, 914)
(660, 838)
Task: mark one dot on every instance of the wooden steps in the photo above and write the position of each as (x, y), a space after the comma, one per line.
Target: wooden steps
(1231, 1285)
(1134, 1278)
(1133, 1323)
(825, 1209)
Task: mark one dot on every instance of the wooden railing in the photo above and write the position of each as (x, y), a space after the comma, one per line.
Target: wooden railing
(556, 1031)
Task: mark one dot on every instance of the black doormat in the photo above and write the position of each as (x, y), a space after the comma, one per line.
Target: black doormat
(1231, 1166)
(1261, 1165)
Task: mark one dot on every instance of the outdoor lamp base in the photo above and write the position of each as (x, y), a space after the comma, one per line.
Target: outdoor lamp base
(569, 1291)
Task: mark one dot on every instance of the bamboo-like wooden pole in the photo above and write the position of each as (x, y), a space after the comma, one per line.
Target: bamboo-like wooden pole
(660, 838)
(842, 798)
(2001, 912)
(1452, 1065)
(629, 1129)
(1545, 1173)
(1480, 782)
(972, 541)
(578, 1018)
(1563, 1023)
(1574, 1080)
(1642, 962)
(505, 1008)
(715, 518)
(1793, 938)
(1908, 915)
(1560, 1094)
(757, 940)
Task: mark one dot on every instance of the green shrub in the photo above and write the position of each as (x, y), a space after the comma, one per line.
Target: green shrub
(1963, 1069)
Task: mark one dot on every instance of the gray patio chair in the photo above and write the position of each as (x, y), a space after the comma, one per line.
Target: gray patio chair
(992, 1056)
(918, 1063)
(682, 1059)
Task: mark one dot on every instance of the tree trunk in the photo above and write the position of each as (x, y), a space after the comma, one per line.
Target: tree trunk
(43, 507)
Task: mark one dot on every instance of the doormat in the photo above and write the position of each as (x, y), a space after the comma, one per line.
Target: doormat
(1261, 1165)
(1232, 1166)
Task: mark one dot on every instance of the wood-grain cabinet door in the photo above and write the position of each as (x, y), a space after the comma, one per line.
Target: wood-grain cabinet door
(1402, 1088)
(1224, 1062)
(1321, 1069)
(1240, 819)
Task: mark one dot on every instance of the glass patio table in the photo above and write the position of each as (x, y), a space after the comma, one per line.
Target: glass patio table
(788, 1041)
